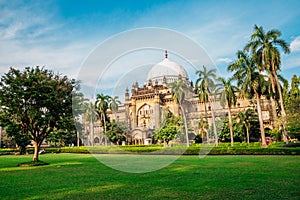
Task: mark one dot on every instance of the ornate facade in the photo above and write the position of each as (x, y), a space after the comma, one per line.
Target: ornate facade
(142, 110)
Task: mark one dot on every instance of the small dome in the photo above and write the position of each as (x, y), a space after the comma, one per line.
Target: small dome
(169, 69)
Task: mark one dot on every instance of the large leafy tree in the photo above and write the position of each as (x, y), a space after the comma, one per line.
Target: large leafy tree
(179, 90)
(37, 100)
(204, 86)
(228, 99)
(265, 46)
(251, 82)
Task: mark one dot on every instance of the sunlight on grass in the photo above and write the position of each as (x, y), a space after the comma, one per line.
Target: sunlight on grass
(78, 193)
(134, 163)
(82, 176)
(37, 167)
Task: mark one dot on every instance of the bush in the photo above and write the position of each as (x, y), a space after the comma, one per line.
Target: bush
(177, 149)
(8, 151)
(291, 145)
(275, 144)
(256, 144)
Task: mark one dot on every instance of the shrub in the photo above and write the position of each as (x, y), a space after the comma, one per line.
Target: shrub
(177, 149)
(256, 144)
(275, 144)
(291, 145)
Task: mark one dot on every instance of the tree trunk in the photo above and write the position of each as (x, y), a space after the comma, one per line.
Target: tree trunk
(165, 143)
(206, 118)
(248, 136)
(92, 133)
(214, 124)
(78, 140)
(36, 146)
(104, 123)
(230, 125)
(283, 114)
(261, 123)
(185, 127)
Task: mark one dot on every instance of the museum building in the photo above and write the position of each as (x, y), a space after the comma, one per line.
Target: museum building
(144, 105)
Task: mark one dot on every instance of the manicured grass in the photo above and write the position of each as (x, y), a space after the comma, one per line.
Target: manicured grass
(82, 176)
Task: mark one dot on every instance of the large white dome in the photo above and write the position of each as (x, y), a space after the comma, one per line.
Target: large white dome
(166, 68)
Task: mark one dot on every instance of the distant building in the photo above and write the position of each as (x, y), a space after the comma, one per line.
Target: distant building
(144, 106)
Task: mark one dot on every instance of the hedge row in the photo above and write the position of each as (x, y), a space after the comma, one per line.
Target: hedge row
(245, 151)
(175, 150)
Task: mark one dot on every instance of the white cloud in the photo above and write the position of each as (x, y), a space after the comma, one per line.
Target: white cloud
(30, 38)
(66, 59)
(291, 61)
(295, 44)
(224, 60)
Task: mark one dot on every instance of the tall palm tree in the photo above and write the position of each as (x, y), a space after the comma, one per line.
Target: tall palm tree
(179, 90)
(102, 104)
(252, 83)
(203, 97)
(245, 119)
(265, 46)
(228, 99)
(90, 115)
(204, 84)
(114, 105)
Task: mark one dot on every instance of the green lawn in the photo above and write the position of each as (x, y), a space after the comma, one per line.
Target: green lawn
(82, 176)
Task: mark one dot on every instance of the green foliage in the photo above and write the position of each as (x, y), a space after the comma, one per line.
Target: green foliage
(224, 130)
(170, 128)
(179, 90)
(202, 129)
(296, 144)
(205, 83)
(293, 107)
(206, 90)
(275, 148)
(115, 133)
(245, 120)
(21, 139)
(228, 97)
(101, 105)
(114, 104)
(38, 100)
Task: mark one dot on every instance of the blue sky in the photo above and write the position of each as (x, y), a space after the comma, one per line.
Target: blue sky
(61, 34)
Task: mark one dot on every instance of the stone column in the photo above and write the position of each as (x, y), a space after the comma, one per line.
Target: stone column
(156, 111)
(133, 109)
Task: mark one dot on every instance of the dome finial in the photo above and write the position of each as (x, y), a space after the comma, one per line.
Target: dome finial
(166, 54)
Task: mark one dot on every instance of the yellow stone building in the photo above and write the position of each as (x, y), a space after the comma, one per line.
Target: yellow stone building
(142, 110)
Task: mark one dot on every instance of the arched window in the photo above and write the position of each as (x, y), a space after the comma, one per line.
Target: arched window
(96, 140)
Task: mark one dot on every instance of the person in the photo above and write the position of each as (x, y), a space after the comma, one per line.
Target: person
(42, 151)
